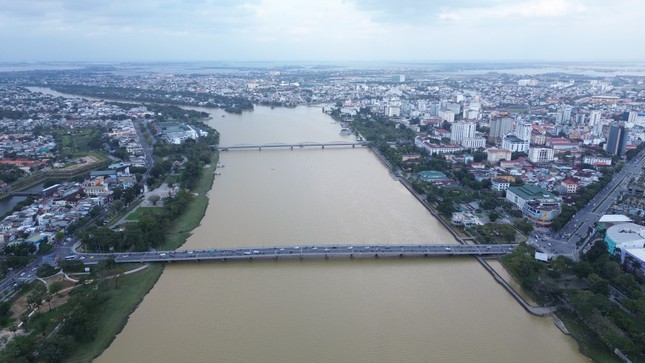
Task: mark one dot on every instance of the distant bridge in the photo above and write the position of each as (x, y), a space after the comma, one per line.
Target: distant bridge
(302, 252)
(291, 146)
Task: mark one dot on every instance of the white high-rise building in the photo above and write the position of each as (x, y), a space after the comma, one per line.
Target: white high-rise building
(594, 118)
(566, 115)
(447, 116)
(462, 130)
(540, 154)
(559, 117)
(523, 131)
(632, 116)
(597, 129)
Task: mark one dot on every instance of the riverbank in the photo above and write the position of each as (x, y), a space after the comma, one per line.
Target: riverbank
(133, 288)
(538, 311)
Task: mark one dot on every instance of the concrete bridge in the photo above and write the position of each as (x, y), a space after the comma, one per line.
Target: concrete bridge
(300, 252)
(290, 146)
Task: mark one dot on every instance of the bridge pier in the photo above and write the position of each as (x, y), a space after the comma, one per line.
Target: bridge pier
(353, 146)
(259, 148)
(323, 146)
(291, 147)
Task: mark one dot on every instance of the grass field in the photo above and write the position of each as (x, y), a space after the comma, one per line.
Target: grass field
(115, 311)
(141, 211)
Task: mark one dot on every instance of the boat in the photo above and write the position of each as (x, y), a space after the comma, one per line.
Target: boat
(345, 132)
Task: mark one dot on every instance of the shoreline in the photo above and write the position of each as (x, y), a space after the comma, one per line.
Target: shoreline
(176, 237)
(538, 311)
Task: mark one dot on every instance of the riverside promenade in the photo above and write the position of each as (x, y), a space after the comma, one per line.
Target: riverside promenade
(539, 311)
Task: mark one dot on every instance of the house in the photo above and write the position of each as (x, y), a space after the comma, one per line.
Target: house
(570, 185)
(500, 184)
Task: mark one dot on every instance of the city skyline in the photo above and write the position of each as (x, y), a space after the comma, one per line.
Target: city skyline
(334, 30)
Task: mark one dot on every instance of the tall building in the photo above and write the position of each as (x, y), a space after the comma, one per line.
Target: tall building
(559, 117)
(500, 127)
(580, 118)
(594, 118)
(541, 154)
(597, 129)
(523, 131)
(617, 140)
(632, 116)
(447, 116)
(462, 130)
(566, 114)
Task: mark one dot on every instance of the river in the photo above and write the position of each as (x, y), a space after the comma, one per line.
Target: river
(415, 310)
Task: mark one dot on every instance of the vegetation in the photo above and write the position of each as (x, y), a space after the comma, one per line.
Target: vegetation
(10, 173)
(228, 103)
(603, 300)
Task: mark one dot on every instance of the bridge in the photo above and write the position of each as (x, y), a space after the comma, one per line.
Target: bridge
(300, 252)
(291, 146)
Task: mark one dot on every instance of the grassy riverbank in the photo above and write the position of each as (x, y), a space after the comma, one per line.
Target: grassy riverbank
(133, 288)
(588, 342)
(116, 310)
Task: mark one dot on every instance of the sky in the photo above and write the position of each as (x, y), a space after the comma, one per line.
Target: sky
(321, 30)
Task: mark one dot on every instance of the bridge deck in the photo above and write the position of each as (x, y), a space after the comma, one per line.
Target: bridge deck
(322, 251)
(291, 145)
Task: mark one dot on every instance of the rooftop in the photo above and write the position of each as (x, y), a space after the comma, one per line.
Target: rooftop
(626, 232)
(527, 192)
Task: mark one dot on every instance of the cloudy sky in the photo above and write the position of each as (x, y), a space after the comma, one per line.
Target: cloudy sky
(321, 30)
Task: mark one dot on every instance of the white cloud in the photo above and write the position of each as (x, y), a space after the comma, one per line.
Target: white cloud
(319, 29)
(523, 9)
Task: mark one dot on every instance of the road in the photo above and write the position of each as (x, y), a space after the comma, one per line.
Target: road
(28, 273)
(582, 223)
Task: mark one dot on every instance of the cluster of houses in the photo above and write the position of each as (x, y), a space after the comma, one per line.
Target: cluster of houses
(62, 204)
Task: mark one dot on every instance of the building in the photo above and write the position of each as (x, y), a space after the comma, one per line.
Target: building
(465, 219)
(634, 259)
(436, 148)
(447, 116)
(523, 131)
(610, 100)
(566, 114)
(538, 205)
(177, 133)
(495, 155)
(513, 143)
(617, 140)
(559, 117)
(473, 142)
(570, 185)
(623, 236)
(541, 155)
(597, 160)
(461, 131)
(528, 82)
(500, 184)
(595, 118)
(500, 127)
